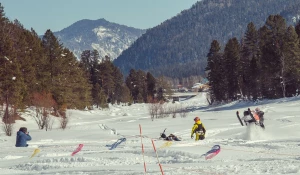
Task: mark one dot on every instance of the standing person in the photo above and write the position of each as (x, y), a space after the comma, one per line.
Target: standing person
(257, 113)
(198, 129)
(22, 137)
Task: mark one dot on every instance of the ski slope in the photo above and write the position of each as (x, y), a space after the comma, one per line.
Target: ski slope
(244, 150)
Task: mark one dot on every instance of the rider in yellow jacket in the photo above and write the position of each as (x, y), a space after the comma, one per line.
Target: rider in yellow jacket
(198, 129)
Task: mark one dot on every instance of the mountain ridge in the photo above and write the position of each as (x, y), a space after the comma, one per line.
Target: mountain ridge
(106, 37)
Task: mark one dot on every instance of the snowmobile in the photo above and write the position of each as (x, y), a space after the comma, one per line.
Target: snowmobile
(171, 137)
(256, 117)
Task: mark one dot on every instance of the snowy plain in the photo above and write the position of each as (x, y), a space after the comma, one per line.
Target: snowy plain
(244, 149)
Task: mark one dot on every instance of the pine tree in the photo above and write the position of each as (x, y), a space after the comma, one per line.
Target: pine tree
(94, 63)
(10, 76)
(85, 60)
(125, 95)
(40, 60)
(142, 86)
(89, 61)
(118, 84)
(106, 78)
(266, 55)
(60, 65)
(290, 58)
(273, 40)
(160, 94)
(231, 69)
(3, 18)
(100, 98)
(297, 29)
(150, 85)
(249, 58)
(163, 88)
(214, 71)
(131, 83)
(22, 46)
(53, 64)
(254, 78)
(77, 90)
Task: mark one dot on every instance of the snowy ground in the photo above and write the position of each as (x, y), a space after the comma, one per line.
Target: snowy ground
(244, 150)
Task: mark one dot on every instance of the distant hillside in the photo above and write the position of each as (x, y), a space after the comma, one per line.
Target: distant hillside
(106, 37)
(178, 47)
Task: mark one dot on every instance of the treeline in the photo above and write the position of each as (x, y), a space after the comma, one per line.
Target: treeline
(264, 64)
(34, 67)
(108, 84)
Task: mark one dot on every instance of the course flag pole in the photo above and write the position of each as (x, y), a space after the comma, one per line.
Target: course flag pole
(161, 170)
(143, 149)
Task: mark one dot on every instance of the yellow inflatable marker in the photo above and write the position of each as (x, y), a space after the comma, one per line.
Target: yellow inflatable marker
(35, 152)
(167, 144)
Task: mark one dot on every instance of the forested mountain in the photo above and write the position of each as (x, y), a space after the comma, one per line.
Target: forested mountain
(178, 47)
(107, 38)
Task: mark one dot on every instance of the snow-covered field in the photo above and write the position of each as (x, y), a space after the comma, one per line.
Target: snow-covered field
(244, 150)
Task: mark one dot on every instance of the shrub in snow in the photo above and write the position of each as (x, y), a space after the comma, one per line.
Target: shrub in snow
(43, 103)
(154, 109)
(64, 120)
(8, 122)
(7, 128)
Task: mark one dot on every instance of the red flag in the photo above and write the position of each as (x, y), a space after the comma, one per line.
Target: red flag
(78, 149)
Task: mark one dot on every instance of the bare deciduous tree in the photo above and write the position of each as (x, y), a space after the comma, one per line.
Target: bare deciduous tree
(7, 127)
(164, 110)
(153, 110)
(8, 122)
(183, 111)
(64, 120)
(153, 107)
(174, 111)
(43, 104)
(209, 99)
(43, 119)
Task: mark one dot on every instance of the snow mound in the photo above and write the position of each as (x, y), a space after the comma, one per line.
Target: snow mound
(254, 132)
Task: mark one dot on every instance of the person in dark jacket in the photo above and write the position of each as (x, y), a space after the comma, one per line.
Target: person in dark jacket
(22, 137)
(172, 137)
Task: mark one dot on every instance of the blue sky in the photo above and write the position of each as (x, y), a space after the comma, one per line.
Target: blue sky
(58, 14)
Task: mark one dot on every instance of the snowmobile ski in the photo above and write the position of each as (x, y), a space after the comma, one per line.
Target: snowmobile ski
(238, 116)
